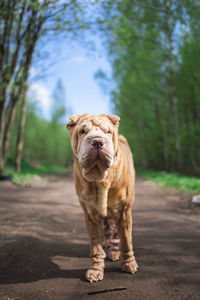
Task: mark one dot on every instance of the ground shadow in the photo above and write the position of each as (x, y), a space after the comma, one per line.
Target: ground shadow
(30, 259)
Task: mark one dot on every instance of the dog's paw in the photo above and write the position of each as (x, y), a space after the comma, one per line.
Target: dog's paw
(130, 267)
(114, 255)
(94, 275)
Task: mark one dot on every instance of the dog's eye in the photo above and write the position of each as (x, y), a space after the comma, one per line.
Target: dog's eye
(82, 131)
(109, 131)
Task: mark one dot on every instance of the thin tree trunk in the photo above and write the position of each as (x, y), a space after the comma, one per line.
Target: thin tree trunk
(2, 120)
(19, 145)
(11, 118)
(176, 124)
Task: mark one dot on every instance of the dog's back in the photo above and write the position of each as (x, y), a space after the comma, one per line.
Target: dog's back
(126, 149)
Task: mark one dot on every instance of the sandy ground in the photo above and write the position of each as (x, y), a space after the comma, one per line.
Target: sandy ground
(44, 245)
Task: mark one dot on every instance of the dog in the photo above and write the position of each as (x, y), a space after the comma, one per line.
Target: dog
(104, 181)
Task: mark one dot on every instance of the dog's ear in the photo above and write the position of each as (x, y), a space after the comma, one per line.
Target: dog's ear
(72, 123)
(114, 119)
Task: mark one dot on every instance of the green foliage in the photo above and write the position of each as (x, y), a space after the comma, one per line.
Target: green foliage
(172, 180)
(45, 142)
(154, 49)
(26, 27)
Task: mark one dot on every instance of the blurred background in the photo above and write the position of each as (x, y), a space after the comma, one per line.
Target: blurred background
(138, 59)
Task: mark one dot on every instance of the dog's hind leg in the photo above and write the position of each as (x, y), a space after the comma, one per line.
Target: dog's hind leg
(111, 239)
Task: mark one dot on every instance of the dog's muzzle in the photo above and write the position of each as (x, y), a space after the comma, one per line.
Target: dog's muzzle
(96, 151)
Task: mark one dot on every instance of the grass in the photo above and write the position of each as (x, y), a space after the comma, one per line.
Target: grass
(29, 173)
(185, 184)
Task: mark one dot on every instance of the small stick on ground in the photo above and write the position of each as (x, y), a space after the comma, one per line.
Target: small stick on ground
(107, 291)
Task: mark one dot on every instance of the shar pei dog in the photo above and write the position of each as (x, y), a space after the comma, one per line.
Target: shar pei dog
(104, 180)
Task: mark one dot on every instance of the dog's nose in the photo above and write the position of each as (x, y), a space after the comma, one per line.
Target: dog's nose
(97, 143)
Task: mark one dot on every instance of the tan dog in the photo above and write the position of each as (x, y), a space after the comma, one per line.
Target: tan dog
(104, 180)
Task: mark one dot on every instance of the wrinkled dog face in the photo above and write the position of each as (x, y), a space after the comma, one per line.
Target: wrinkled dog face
(94, 140)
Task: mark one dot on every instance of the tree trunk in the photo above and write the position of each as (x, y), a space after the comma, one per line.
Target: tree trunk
(2, 119)
(19, 147)
(11, 118)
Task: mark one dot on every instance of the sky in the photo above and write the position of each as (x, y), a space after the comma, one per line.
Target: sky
(75, 65)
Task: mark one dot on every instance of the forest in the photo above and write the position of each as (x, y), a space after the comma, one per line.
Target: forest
(153, 48)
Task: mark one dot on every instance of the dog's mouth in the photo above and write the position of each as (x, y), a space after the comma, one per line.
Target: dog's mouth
(95, 170)
(97, 159)
(94, 173)
(98, 155)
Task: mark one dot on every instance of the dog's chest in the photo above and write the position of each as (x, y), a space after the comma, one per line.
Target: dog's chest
(103, 201)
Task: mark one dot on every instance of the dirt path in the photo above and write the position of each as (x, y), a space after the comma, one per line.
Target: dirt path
(44, 246)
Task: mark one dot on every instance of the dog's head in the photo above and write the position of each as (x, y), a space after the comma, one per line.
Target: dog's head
(94, 140)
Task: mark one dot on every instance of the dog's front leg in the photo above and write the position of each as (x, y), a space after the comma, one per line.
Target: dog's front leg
(124, 224)
(96, 271)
